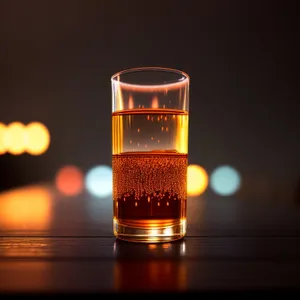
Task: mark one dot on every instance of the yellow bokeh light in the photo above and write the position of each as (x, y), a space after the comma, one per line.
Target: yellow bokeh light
(3, 147)
(25, 209)
(14, 138)
(197, 180)
(37, 138)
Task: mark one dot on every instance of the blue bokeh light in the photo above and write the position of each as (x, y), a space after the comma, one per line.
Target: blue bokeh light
(98, 181)
(225, 180)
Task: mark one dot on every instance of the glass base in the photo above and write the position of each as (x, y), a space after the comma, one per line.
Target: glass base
(149, 231)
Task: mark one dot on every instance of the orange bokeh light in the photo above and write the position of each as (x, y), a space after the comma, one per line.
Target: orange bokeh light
(69, 180)
(14, 138)
(3, 147)
(25, 209)
(37, 138)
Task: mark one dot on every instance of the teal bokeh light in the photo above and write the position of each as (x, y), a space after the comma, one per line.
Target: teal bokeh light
(225, 180)
(98, 181)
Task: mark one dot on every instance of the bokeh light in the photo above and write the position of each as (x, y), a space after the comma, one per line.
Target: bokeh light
(225, 180)
(37, 138)
(197, 180)
(98, 181)
(14, 138)
(69, 180)
(3, 147)
(25, 209)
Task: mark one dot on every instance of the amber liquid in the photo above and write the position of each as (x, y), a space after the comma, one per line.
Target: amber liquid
(150, 176)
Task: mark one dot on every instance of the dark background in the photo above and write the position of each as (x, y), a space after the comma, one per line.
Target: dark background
(57, 57)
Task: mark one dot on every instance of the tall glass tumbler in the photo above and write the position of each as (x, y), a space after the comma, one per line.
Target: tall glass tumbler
(150, 154)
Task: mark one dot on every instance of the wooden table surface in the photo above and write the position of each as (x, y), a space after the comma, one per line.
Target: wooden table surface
(65, 245)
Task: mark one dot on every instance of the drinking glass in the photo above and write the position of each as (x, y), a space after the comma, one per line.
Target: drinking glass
(150, 154)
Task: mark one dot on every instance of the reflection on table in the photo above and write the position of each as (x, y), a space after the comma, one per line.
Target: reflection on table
(42, 210)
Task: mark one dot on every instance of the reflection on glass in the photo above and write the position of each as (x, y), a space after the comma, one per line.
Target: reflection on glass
(152, 267)
(25, 209)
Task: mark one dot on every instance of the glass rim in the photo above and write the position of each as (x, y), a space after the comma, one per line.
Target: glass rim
(184, 80)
